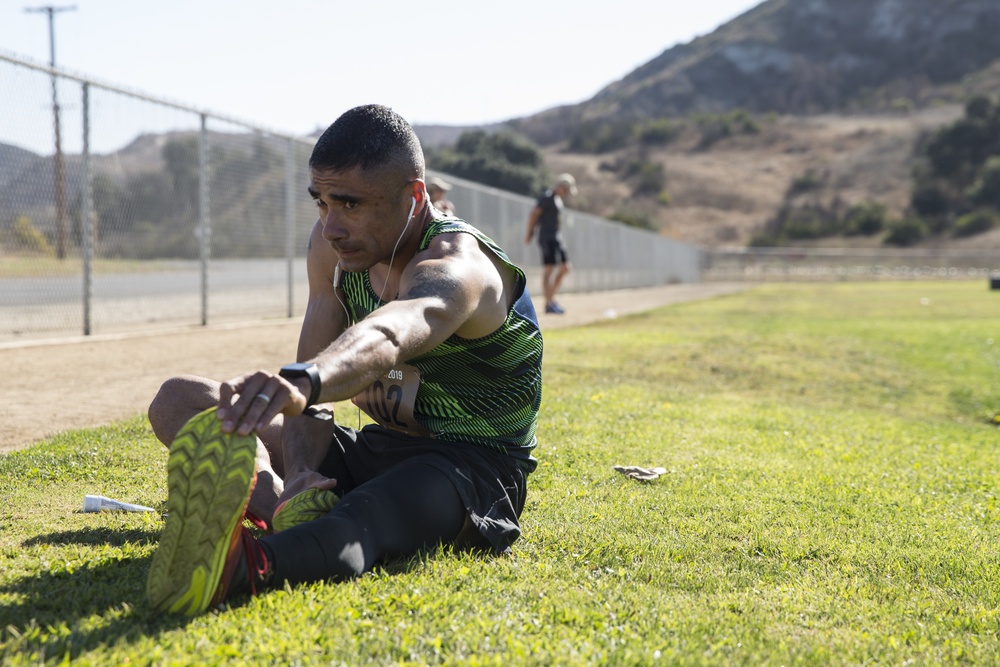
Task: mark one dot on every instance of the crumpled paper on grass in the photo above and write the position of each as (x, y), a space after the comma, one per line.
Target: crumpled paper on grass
(639, 473)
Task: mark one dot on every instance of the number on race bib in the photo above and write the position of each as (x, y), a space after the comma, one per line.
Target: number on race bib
(390, 400)
(385, 400)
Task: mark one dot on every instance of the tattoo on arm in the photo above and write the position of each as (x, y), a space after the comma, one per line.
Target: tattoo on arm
(433, 281)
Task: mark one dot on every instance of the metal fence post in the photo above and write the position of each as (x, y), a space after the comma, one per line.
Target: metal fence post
(86, 215)
(204, 219)
(290, 220)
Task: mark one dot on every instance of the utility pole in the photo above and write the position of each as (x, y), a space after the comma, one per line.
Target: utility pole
(58, 163)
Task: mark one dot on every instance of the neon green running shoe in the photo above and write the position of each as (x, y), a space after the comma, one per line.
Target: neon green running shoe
(309, 505)
(209, 479)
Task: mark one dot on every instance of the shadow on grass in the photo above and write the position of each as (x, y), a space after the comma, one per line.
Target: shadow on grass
(91, 536)
(73, 607)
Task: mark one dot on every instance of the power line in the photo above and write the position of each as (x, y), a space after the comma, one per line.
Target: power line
(59, 179)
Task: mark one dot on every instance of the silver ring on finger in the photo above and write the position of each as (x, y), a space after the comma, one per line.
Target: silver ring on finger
(267, 399)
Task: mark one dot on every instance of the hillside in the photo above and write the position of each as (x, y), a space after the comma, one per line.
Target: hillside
(803, 57)
(13, 161)
(835, 93)
(838, 91)
(723, 196)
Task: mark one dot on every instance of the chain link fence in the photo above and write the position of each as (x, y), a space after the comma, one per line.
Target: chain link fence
(122, 212)
(816, 264)
(605, 255)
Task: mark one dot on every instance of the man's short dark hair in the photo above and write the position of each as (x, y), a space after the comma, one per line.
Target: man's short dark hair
(370, 137)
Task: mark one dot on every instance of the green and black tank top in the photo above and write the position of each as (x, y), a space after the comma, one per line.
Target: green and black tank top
(486, 391)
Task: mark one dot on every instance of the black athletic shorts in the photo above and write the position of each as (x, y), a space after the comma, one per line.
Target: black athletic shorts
(492, 484)
(553, 252)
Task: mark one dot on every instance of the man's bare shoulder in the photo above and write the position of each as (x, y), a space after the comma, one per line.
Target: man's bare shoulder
(460, 266)
(462, 256)
(452, 245)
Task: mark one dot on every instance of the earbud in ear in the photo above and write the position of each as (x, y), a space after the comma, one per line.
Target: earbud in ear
(413, 207)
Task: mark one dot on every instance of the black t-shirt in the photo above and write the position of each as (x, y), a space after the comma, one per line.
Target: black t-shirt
(548, 222)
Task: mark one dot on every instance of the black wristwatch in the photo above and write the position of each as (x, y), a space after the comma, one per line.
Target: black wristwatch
(299, 370)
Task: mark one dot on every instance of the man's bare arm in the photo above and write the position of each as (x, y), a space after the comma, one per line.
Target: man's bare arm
(324, 321)
(451, 288)
(325, 318)
(532, 222)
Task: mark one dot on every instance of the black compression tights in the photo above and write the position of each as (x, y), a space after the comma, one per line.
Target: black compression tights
(397, 513)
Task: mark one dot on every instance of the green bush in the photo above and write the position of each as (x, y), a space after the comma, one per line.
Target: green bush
(906, 232)
(639, 220)
(513, 148)
(25, 238)
(650, 178)
(931, 197)
(713, 129)
(745, 123)
(901, 105)
(797, 223)
(717, 126)
(601, 136)
(940, 224)
(976, 222)
(958, 151)
(979, 107)
(659, 132)
(503, 160)
(766, 239)
(866, 219)
(986, 189)
(807, 182)
(809, 223)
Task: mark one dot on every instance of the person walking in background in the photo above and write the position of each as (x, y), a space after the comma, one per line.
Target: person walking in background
(437, 190)
(547, 218)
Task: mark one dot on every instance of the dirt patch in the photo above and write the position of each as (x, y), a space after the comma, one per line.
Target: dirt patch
(60, 385)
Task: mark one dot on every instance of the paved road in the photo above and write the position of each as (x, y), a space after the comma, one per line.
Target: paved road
(80, 382)
(175, 278)
(43, 307)
(144, 301)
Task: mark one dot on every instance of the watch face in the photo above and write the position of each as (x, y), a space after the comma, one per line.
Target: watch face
(298, 367)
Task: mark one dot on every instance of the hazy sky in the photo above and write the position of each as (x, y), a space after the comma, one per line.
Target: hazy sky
(296, 65)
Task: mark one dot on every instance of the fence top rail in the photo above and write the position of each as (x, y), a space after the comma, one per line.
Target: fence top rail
(873, 253)
(24, 61)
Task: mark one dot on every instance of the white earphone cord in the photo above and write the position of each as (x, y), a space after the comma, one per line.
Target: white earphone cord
(392, 257)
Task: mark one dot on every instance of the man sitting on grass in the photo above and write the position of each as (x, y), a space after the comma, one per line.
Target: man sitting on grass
(428, 327)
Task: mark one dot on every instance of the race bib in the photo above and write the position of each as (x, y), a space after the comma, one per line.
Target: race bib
(390, 400)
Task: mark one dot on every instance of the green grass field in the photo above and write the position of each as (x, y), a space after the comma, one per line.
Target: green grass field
(832, 499)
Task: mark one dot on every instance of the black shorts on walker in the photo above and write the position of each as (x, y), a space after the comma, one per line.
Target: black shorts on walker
(553, 252)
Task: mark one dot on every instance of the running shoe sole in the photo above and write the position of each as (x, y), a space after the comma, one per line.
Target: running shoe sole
(209, 479)
(309, 505)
